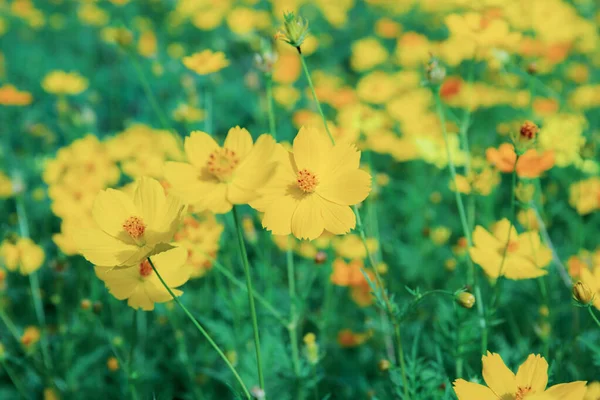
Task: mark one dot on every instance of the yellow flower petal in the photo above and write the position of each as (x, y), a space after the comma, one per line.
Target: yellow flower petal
(472, 391)
(311, 149)
(215, 199)
(100, 248)
(482, 238)
(240, 195)
(120, 282)
(307, 222)
(567, 391)
(337, 219)
(170, 266)
(139, 299)
(278, 215)
(185, 181)
(346, 188)
(516, 267)
(167, 222)
(239, 140)
(487, 259)
(198, 147)
(500, 230)
(533, 373)
(498, 377)
(111, 209)
(342, 156)
(149, 199)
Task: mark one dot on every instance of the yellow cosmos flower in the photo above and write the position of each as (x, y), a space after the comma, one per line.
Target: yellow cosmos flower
(23, 255)
(130, 227)
(217, 177)
(64, 83)
(526, 257)
(528, 384)
(140, 284)
(313, 188)
(206, 62)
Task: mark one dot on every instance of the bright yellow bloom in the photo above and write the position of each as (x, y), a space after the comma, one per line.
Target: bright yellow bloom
(351, 246)
(528, 384)
(130, 228)
(206, 62)
(584, 195)
(139, 283)
(64, 83)
(217, 177)
(23, 255)
(314, 187)
(526, 256)
(367, 53)
(31, 335)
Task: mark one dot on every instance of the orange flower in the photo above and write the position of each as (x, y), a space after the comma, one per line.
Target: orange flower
(347, 274)
(530, 165)
(348, 338)
(11, 96)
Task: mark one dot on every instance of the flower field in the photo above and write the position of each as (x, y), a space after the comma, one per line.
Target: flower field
(300, 199)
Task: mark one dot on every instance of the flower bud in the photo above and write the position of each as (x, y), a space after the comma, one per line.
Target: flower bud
(528, 130)
(383, 365)
(320, 257)
(582, 293)
(434, 72)
(295, 30)
(465, 299)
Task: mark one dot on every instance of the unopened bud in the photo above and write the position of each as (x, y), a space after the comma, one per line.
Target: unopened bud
(528, 130)
(295, 30)
(320, 257)
(582, 293)
(465, 299)
(384, 365)
(434, 72)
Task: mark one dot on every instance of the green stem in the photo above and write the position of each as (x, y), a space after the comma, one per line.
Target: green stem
(34, 284)
(293, 326)
(14, 379)
(164, 122)
(312, 89)
(133, 339)
(246, 264)
(260, 299)
(511, 218)
(593, 316)
(202, 331)
(10, 325)
(271, 108)
(465, 225)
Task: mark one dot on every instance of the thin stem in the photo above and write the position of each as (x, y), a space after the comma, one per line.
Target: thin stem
(246, 264)
(271, 108)
(260, 299)
(465, 226)
(34, 284)
(164, 122)
(593, 316)
(14, 379)
(312, 89)
(293, 326)
(202, 331)
(133, 338)
(511, 217)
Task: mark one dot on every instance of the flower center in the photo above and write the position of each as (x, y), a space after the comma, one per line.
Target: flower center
(222, 162)
(145, 269)
(521, 392)
(512, 247)
(135, 227)
(307, 181)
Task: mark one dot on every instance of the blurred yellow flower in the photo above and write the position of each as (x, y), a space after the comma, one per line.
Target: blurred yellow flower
(22, 255)
(139, 284)
(6, 186)
(367, 53)
(529, 383)
(200, 237)
(11, 96)
(129, 228)
(525, 258)
(563, 134)
(30, 336)
(584, 195)
(64, 83)
(206, 62)
(215, 178)
(147, 44)
(313, 188)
